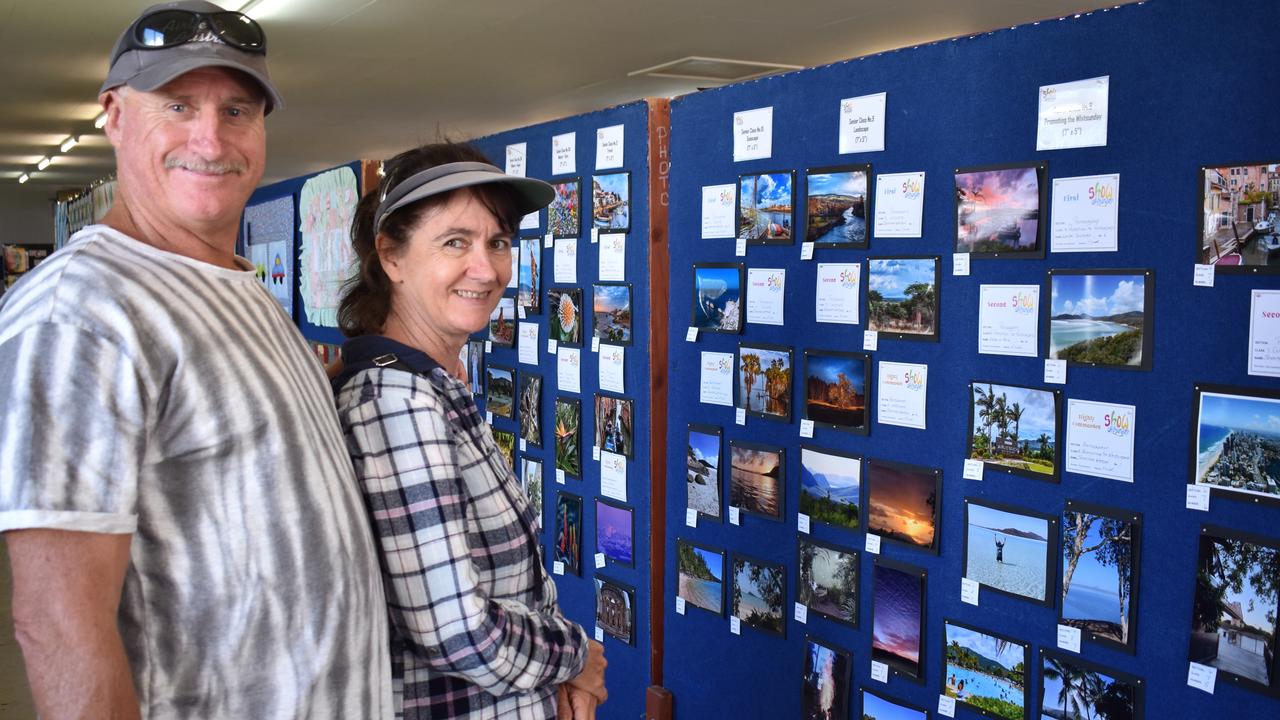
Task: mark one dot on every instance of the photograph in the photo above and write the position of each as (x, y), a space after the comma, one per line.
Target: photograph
(1236, 441)
(1073, 688)
(717, 297)
(1014, 428)
(611, 201)
(756, 474)
(531, 483)
(1100, 573)
(502, 323)
(836, 390)
(475, 366)
(998, 210)
(506, 441)
(565, 307)
(897, 617)
(875, 707)
(765, 205)
(531, 409)
(702, 481)
(984, 671)
(765, 380)
(831, 487)
(1009, 550)
(615, 609)
(611, 309)
(1234, 620)
(902, 503)
(615, 528)
(827, 580)
(615, 425)
(825, 693)
(563, 214)
(529, 275)
(569, 436)
(568, 545)
(1240, 219)
(838, 206)
(1101, 317)
(759, 592)
(902, 297)
(701, 576)
(500, 383)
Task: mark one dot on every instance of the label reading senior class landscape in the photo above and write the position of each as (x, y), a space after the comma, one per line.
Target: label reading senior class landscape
(1100, 439)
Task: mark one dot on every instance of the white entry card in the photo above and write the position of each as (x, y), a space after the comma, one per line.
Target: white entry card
(1008, 320)
(600, 560)
(960, 264)
(801, 613)
(1073, 114)
(765, 293)
(1069, 638)
(1264, 333)
(735, 625)
(718, 211)
(613, 475)
(901, 394)
(529, 343)
(679, 605)
(609, 147)
(1085, 214)
(716, 384)
(753, 134)
(1203, 276)
(968, 591)
(613, 257)
(899, 207)
(862, 124)
(564, 151)
(1202, 677)
(569, 369)
(1198, 497)
(837, 293)
(735, 515)
(873, 543)
(973, 469)
(557, 567)
(691, 517)
(530, 221)
(946, 706)
(516, 155)
(1100, 439)
(566, 260)
(1055, 371)
(879, 671)
(612, 378)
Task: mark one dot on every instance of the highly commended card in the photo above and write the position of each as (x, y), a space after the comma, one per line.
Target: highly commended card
(1100, 439)
(901, 394)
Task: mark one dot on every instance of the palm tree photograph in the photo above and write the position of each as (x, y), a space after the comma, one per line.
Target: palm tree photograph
(1074, 689)
(764, 380)
(902, 297)
(1014, 428)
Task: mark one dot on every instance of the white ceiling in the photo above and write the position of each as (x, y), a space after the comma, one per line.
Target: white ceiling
(368, 78)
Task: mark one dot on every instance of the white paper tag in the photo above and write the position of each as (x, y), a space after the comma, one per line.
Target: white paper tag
(691, 517)
(740, 416)
(548, 241)
(520, 312)
(552, 346)
(691, 335)
(806, 251)
(806, 428)
(1069, 638)
(873, 543)
(735, 515)
(488, 346)
(969, 591)
(1198, 497)
(679, 605)
(1203, 276)
(1202, 677)
(1055, 371)
(599, 560)
(523, 445)
(879, 671)
(870, 340)
(946, 706)
(735, 625)
(595, 453)
(557, 567)
(599, 634)
(802, 522)
(560, 475)
(595, 344)
(960, 263)
(801, 613)
(740, 247)
(595, 235)
(973, 469)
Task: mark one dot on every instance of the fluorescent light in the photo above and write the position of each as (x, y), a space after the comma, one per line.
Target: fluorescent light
(101, 120)
(23, 178)
(69, 143)
(44, 163)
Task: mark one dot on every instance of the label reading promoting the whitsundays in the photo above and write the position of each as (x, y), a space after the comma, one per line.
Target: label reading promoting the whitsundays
(753, 134)
(609, 147)
(862, 124)
(613, 257)
(564, 152)
(837, 292)
(516, 155)
(899, 211)
(901, 392)
(611, 366)
(1085, 214)
(569, 369)
(716, 385)
(1264, 333)
(1008, 320)
(1073, 114)
(566, 260)
(765, 292)
(1100, 439)
(718, 211)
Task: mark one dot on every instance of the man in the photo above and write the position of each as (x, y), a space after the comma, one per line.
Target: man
(185, 534)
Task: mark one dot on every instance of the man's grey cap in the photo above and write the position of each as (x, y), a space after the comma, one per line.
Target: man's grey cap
(148, 70)
(533, 194)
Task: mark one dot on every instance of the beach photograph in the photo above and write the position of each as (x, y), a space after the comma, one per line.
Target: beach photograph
(1008, 551)
(563, 215)
(755, 479)
(1015, 428)
(831, 487)
(835, 389)
(1234, 620)
(897, 618)
(502, 323)
(615, 609)
(506, 441)
(565, 305)
(531, 409)
(986, 672)
(825, 693)
(1239, 222)
(615, 532)
(837, 205)
(758, 594)
(568, 414)
(700, 573)
(1099, 318)
(827, 581)
(568, 543)
(500, 397)
(902, 297)
(531, 483)
(717, 298)
(998, 211)
(702, 479)
(529, 275)
(875, 707)
(611, 309)
(615, 425)
(765, 204)
(1099, 574)
(1073, 689)
(764, 380)
(611, 201)
(902, 503)
(1238, 442)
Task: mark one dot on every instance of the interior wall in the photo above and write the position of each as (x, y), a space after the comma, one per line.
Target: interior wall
(26, 218)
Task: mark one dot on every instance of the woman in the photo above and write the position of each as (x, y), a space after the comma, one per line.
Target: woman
(476, 631)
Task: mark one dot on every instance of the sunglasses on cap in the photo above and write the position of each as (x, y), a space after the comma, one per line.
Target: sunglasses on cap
(173, 27)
